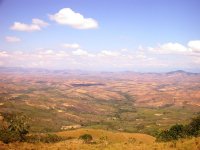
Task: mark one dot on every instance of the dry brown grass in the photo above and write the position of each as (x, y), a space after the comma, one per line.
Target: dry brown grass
(111, 135)
(107, 140)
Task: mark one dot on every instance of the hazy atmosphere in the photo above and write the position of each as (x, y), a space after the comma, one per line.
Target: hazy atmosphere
(122, 35)
(99, 74)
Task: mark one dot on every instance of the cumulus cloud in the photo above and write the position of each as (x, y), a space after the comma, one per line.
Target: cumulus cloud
(169, 48)
(36, 25)
(194, 45)
(51, 54)
(67, 16)
(80, 52)
(77, 59)
(12, 39)
(173, 47)
(18, 26)
(39, 22)
(192, 48)
(109, 53)
(71, 46)
(46, 52)
(141, 59)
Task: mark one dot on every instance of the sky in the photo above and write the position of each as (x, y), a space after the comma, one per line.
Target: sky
(105, 35)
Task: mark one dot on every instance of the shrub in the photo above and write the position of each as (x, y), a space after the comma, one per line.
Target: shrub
(8, 136)
(180, 131)
(177, 131)
(87, 138)
(193, 128)
(44, 138)
(51, 138)
(14, 128)
(174, 133)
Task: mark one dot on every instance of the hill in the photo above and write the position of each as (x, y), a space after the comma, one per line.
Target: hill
(104, 140)
(122, 101)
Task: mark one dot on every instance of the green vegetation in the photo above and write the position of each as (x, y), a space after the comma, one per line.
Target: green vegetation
(121, 116)
(87, 138)
(51, 104)
(180, 131)
(14, 128)
(193, 128)
(44, 138)
(144, 120)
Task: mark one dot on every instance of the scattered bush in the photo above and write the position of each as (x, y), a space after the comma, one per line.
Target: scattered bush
(52, 138)
(87, 138)
(44, 138)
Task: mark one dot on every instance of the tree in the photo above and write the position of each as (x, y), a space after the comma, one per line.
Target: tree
(14, 127)
(193, 128)
(179, 131)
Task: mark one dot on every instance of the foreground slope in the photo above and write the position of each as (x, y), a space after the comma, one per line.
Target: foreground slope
(107, 140)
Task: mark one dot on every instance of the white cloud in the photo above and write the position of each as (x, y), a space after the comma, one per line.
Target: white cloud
(12, 39)
(140, 59)
(78, 59)
(194, 45)
(46, 52)
(109, 53)
(170, 48)
(124, 49)
(67, 16)
(24, 27)
(36, 25)
(39, 22)
(61, 54)
(141, 56)
(3, 54)
(192, 48)
(71, 46)
(80, 52)
(176, 47)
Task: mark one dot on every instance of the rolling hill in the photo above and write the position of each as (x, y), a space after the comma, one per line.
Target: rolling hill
(120, 101)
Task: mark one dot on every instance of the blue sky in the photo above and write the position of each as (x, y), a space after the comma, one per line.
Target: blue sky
(106, 35)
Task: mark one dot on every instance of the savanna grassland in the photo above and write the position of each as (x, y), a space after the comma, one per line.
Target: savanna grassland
(104, 104)
(106, 140)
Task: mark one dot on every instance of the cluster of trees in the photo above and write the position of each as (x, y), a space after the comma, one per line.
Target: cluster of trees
(14, 127)
(181, 131)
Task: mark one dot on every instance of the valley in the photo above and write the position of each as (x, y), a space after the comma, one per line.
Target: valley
(123, 101)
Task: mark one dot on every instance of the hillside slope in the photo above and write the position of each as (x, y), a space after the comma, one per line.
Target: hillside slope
(107, 140)
(128, 101)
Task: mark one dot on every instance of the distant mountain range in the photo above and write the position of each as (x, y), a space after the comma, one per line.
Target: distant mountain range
(182, 72)
(42, 70)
